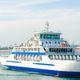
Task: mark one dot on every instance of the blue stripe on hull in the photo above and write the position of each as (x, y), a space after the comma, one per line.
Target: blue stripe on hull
(31, 53)
(44, 71)
(33, 70)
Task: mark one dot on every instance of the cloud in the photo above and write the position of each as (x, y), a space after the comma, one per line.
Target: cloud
(18, 19)
(16, 11)
(35, 2)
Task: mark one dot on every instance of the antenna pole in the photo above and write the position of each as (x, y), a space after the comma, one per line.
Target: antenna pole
(47, 26)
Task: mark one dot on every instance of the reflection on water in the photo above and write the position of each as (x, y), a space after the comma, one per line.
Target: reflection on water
(19, 75)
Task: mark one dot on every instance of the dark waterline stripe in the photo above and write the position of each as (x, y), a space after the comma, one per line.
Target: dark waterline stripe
(45, 71)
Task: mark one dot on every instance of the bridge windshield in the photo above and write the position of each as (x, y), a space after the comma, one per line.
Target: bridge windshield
(49, 36)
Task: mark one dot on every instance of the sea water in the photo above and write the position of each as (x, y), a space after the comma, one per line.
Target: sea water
(23, 75)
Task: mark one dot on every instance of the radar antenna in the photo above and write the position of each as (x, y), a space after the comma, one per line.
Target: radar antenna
(47, 26)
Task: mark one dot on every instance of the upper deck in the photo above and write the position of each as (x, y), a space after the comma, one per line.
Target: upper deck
(47, 41)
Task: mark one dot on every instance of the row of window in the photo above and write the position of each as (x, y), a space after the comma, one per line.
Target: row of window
(49, 42)
(27, 49)
(24, 57)
(55, 43)
(63, 50)
(64, 57)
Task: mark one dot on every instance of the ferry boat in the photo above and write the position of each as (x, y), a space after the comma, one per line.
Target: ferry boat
(47, 53)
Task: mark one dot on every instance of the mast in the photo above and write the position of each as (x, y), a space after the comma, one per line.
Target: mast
(47, 26)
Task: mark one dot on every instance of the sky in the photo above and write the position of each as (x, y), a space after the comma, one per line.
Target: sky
(20, 19)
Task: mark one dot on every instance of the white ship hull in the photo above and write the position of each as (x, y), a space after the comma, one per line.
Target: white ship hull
(51, 67)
